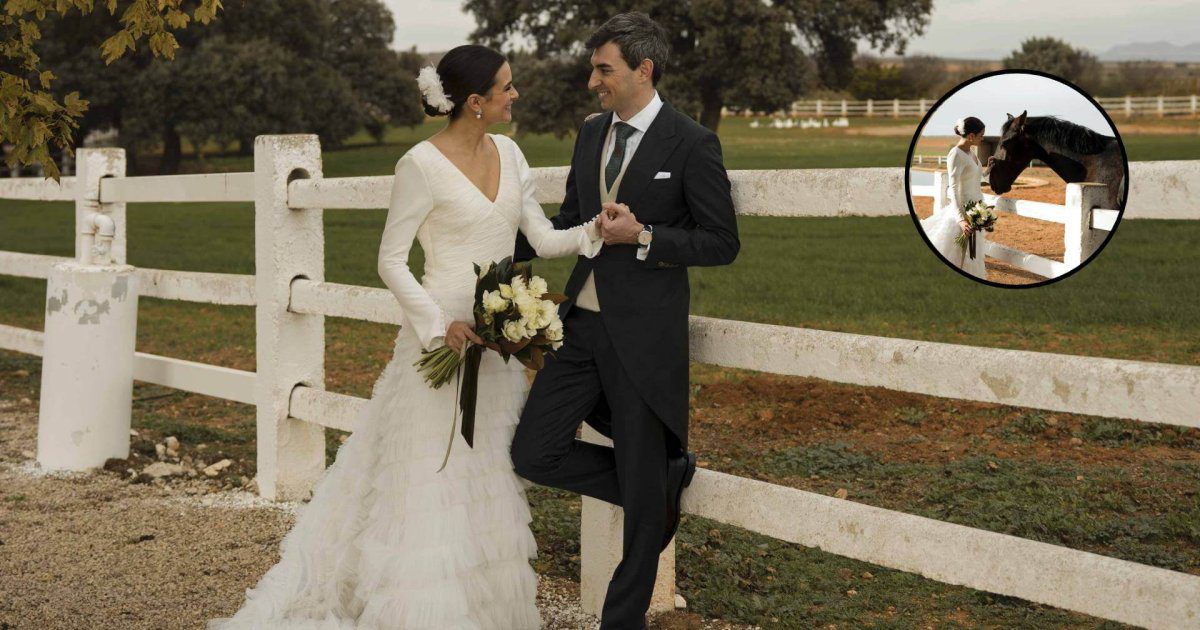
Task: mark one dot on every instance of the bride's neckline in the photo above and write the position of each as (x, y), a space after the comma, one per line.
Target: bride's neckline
(499, 176)
(973, 158)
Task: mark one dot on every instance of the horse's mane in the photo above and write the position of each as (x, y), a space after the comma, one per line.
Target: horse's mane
(1064, 133)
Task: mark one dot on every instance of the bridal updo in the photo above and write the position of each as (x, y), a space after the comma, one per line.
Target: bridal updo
(967, 125)
(465, 70)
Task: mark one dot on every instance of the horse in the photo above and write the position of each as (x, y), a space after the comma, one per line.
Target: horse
(1074, 152)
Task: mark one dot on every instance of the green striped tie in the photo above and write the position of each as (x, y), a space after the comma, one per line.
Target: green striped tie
(613, 168)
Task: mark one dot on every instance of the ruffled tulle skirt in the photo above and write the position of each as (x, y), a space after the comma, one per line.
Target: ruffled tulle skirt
(941, 228)
(386, 542)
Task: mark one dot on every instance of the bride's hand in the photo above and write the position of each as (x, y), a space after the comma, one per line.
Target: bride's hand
(458, 332)
(966, 227)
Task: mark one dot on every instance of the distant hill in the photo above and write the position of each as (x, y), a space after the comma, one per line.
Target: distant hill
(1154, 51)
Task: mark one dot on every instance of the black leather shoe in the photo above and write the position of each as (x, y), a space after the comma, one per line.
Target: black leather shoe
(680, 471)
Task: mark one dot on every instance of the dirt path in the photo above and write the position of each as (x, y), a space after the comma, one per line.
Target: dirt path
(93, 550)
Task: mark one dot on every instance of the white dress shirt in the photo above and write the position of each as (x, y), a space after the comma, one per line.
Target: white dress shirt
(640, 122)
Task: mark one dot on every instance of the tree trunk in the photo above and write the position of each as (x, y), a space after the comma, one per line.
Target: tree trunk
(172, 154)
(711, 104)
(835, 61)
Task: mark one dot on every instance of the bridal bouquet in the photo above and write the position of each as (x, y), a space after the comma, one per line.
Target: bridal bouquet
(980, 217)
(516, 316)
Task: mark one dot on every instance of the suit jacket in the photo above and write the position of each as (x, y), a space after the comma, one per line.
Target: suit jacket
(644, 303)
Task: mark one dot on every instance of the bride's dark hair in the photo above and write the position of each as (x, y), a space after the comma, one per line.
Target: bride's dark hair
(970, 124)
(465, 70)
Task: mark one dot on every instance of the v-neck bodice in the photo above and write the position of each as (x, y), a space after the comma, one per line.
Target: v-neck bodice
(500, 177)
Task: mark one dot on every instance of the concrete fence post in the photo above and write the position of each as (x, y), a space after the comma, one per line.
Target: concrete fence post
(600, 543)
(1080, 239)
(870, 108)
(290, 347)
(90, 332)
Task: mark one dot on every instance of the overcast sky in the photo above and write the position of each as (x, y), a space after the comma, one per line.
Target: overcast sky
(958, 28)
(991, 98)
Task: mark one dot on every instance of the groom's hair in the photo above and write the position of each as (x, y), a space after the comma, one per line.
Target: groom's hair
(638, 37)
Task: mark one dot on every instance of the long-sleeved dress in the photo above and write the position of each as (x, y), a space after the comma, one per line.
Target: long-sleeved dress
(941, 227)
(386, 541)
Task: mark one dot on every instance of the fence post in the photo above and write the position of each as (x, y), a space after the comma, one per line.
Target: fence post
(843, 107)
(1080, 239)
(600, 543)
(1128, 106)
(290, 347)
(90, 333)
(939, 189)
(1193, 104)
(921, 112)
(871, 107)
(895, 108)
(819, 104)
(1160, 107)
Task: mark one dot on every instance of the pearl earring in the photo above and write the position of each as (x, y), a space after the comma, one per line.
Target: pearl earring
(478, 113)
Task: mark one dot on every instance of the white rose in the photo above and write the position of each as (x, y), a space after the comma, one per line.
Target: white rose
(554, 332)
(493, 302)
(506, 291)
(548, 313)
(537, 286)
(518, 285)
(514, 331)
(556, 345)
(528, 306)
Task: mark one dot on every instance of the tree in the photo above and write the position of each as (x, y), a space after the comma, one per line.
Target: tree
(554, 97)
(834, 28)
(1059, 58)
(268, 66)
(739, 53)
(34, 119)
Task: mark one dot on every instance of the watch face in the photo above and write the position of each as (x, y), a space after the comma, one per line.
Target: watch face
(643, 238)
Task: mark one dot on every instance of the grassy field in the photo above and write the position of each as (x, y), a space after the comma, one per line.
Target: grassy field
(1124, 489)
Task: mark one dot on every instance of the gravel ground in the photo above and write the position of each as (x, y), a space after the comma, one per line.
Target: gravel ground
(99, 550)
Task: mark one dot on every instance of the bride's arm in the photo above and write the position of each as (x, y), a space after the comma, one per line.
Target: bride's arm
(957, 182)
(547, 241)
(410, 203)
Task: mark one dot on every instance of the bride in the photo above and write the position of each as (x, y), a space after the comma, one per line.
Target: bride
(386, 541)
(949, 221)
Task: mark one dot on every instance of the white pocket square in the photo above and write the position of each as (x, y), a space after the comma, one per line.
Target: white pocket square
(662, 175)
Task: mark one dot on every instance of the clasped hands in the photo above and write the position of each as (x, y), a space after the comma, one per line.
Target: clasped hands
(617, 224)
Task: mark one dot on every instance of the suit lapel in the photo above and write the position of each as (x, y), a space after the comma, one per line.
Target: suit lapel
(654, 149)
(587, 175)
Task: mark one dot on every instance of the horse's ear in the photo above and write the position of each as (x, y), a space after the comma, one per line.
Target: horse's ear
(1021, 120)
(1010, 116)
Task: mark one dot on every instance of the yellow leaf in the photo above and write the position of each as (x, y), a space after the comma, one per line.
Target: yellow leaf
(45, 78)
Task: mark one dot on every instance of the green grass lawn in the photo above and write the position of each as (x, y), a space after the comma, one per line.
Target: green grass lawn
(866, 275)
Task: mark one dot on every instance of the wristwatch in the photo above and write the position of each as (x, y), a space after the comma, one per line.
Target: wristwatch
(646, 235)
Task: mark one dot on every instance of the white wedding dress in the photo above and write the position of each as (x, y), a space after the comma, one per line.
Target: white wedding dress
(386, 542)
(942, 226)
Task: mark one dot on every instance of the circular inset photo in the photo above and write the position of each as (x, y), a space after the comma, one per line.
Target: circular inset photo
(1016, 178)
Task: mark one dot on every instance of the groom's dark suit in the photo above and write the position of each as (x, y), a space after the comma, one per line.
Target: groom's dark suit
(625, 368)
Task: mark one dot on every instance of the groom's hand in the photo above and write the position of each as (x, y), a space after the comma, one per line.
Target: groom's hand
(619, 225)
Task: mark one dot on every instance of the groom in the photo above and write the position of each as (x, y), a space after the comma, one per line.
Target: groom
(654, 181)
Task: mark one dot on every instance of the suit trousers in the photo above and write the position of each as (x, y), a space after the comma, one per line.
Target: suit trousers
(585, 374)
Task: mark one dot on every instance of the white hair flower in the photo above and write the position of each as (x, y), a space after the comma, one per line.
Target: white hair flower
(431, 88)
(960, 125)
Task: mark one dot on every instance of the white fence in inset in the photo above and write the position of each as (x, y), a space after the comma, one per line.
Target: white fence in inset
(1127, 106)
(1085, 224)
(293, 407)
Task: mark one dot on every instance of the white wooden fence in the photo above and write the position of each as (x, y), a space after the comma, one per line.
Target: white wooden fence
(1085, 224)
(293, 407)
(1127, 106)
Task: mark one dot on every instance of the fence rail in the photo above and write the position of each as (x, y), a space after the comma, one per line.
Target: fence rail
(1127, 106)
(287, 388)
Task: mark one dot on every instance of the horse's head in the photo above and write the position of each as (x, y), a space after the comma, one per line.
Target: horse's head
(1013, 153)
